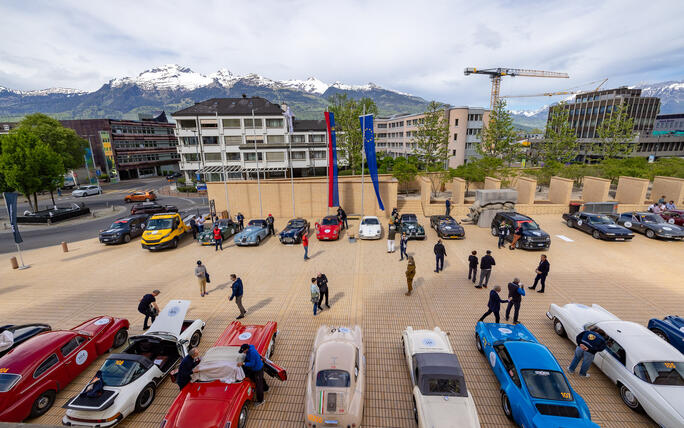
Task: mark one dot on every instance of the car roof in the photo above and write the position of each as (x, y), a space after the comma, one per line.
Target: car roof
(32, 352)
(408, 216)
(370, 216)
(442, 363)
(528, 355)
(514, 215)
(334, 217)
(335, 355)
(639, 342)
(164, 215)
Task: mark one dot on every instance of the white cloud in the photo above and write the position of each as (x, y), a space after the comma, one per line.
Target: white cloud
(415, 47)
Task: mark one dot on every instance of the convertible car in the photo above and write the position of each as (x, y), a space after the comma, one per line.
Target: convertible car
(651, 225)
(14, 335)
(674, 217)
(410, 226)
(446, 227)
(440, 395)
(336, 379)
(255, 232)
(131, 377)
(293, 232)
(534, 390)
(600, 226)
(648, 371)
(670, 329)
(370, 228)
(228, 228)
(328, 229)
(33, 372)
(218, 394)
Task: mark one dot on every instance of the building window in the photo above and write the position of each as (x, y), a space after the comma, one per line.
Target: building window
(317, 138)
(191, 157)
(250, 157)
(453, 153)
(212, 157)
(187, 124)
(209, 140)
(298, 155)
(232, 156)
(274, 123)
(208, 123)
(382, 125)
(276, 139)
(275, 156)
(233, 140)
(231, 123)
(251, 139)
(189, 141)
(318, 154)
(298, 138)
(257, 123)
(455, 122)
(455, 137)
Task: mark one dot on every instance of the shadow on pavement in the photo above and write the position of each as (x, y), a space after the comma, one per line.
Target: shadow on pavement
(336, 298)
(319, 252)
(260, 304)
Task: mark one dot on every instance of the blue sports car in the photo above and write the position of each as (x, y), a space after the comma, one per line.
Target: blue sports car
(534, 389)
(670, 329)
(293, 232)
(255, 232)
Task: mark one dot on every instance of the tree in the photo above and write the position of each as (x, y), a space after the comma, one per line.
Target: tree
(349, 137)
(616, 135)
(63, 141)
(499, 136)
(476, 170)
(560, 142)
(432, 136)
(404, 171)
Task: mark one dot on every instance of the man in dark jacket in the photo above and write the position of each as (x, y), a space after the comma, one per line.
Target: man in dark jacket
(542, 273)
(237, 294)
(402, 246)
(588, 344)
(254, 369)
(472, 265)
(187, 368)
(193, 227)
(515, 293)
(440, 252)
(322, 282)
(148, 307)
(241, 221)
(343, 217)
(447, 204)
(502, 232)
(270, 220)
(485, 269)
(494, 304)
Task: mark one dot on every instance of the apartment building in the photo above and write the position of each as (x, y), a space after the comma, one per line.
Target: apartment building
(668, 124)
(394, 134)
(238, 138)
(6, 127)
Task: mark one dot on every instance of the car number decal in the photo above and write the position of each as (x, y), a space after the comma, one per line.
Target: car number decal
(566, 395)
(628, 224)
(244, 336)
(671, 221)
(681, 329)
(505, 330)
(427, 341)
(119, 362)
(173, 311)
(81, 357)
(492, 358)
(102, 321)
(4, 370)
(579, 222)
(667, 228)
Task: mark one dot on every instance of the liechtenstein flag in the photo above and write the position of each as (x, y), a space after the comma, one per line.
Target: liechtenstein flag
(369, 148)
(333, 193)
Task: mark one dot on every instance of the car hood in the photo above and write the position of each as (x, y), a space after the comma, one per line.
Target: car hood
(673, 396)
(612, 228)
(170, 319)
(290, 231)
(249, 230)
(329, 229)
(369, 228)
(535, 233)
(449, 412)
(451, 227)
(412, 227)
(205, 404)
(547, 421)
(675, 321)
(669, 229)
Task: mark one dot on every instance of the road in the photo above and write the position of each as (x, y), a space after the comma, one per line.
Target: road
(70, 231)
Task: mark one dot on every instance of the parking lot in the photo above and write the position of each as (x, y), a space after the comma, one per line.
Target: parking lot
(635, 280)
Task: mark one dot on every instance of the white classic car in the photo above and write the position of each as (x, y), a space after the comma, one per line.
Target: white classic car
(132, 376)
(336, 380)
(440, 395)
(370, 228)
(84, 191)
(648, 371)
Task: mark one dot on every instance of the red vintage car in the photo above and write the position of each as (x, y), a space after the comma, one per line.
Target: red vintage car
(674, 217)
(328, 229)
(212, 403)
(32, 373)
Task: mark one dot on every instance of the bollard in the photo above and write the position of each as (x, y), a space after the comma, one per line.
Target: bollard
(13, 262)
(64, 247)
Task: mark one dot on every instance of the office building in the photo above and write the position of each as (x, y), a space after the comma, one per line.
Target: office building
(669, 124)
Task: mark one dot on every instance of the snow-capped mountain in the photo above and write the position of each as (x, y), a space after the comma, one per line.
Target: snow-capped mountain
(45, 92)
(671, 94)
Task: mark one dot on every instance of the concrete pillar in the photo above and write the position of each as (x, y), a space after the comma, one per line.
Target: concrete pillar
(457, 188)
(13, 262)
(631, 190)
(595, 189)
(526, 187)
(491, 183)
(560, 190)
(671, 187)
(65, 248)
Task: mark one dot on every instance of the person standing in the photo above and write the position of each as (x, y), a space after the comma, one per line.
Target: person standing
(661, 201)
(193, 227)
(515, 293)
(516, 236)
(200, 224)
(322, 282)
(440, 252)
(472, 265)
(391, 234)
(315, 295)
(447, 204)
(237, 289)
(402, 246)
(343, 217)
(241, 221)
(494, 304)
(395, 217)
(270, 220)
(486, 264)
(187, 368)
(305, 244)
(201, 274)
(542, 272)
(254, 369)
(502, 232)
(588, 344)
(218, 238)
(148, 307)
(410, 274)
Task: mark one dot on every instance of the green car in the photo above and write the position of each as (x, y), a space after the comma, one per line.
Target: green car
(410, 226)
(228, 229)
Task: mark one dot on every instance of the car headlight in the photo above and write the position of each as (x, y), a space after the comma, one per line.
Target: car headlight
(548, 238)
(610, 234)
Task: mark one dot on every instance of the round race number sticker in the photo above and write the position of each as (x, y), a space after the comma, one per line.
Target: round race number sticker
(671, 221)
(81, 357)
(505, 330)
(173, 311)
(579, 222)
(492, 359)
(102, 321)
(428, 342)
(244, 336)
(628, 224)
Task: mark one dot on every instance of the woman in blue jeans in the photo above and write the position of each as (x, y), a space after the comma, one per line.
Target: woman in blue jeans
(315, 294)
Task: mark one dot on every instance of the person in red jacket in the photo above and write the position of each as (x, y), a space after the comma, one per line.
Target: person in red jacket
(218, 238)
(305, 244)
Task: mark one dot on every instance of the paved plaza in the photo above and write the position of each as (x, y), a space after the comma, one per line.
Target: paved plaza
(635, 280)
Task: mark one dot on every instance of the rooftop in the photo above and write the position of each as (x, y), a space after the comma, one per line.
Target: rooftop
(232, 107)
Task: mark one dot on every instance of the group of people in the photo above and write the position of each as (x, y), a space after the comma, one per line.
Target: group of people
(661, 206)
(319, 291)
(504, 230)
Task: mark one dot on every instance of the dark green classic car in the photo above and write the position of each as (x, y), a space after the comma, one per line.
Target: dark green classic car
(228, 228)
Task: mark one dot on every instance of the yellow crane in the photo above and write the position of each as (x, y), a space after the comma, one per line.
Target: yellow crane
(497, 73)
(552, 94)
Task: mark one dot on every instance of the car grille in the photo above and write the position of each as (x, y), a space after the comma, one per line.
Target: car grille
(554, 410)
(288, 240)
(152, 241)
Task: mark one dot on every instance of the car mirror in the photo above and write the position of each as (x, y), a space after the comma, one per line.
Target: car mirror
(356, 371)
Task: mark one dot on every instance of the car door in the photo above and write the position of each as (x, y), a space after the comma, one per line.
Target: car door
(77, 353)
(612, 360)
(512, 385)
(582, 223)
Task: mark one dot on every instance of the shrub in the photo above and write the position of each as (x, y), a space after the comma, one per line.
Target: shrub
(186, 189)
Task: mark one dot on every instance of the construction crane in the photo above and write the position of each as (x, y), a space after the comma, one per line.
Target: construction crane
(496, 73)
(552, 94)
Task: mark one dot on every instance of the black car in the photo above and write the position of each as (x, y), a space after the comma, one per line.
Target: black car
(533, 237)
(293, 232)
(410, 226)
(153, 208)
(600, 226)
(174, 175)
(446, 227)
(651, 225)
(12, 335)
(123, 229)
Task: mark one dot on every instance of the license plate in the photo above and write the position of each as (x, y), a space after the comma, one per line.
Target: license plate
(328, 422)
(106, 240)
(619, 239)
(540, 245)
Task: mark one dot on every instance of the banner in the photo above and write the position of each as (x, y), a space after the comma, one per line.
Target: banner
(11, 202)
(369, 148)
(333, 191)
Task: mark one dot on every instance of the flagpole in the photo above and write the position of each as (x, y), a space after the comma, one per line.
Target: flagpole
(223, 163)
(256, 154)
(327, 166)
(14, 225)
(363, 152)
(289, 140)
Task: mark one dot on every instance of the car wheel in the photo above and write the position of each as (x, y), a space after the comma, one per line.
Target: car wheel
(242, 417)
(494, 231)
(596, 234)
(478, 343)
(147, 199)
(271, 348)
(415, 410)
(517, 244)
(120, 338)
(570, 223)
(630, 399)
(558, 327)
(42, 403)
(175, 243)
(258, 241)
(145, 398)
(127, 238)
(506, 406)
(195, 339)
(660, 334)
(650, 234)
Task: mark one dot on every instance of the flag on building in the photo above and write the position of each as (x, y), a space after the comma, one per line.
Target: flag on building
(369, 148)
(333, 192)
(288, 114)
(11, 202)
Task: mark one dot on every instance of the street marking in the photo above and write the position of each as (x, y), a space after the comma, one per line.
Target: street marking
(565, 238)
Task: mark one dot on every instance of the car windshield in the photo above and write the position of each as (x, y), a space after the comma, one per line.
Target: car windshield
(529, 225)
(547, 385)
(329, 221)
(651, 218)
(83, 188)
(661, 372)
(159, 224)
(370, 221)
(121, 372)
(257, 223)
(7, 381)
(120, 224)
(600, 219)
(333, 378)
(442, 386)
(409, 219)
(296, 223)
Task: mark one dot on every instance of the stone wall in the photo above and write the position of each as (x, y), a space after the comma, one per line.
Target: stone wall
(457, 189)
(492, 183)
(560, 190)
(595, 189)
(527, 188)
(671, 187)
(631, 190)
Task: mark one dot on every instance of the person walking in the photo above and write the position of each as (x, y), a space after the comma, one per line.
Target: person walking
(315, 295)
(241, 221)
(201, 274)
(502, 232)
(253, 367)
(270, 220)
(486, 264)
(322, 282)
(402, 246)
(440, 252)
(542, 272)
(472, 265)
(588, 344)
(218, 238)
(305, 244)
(343, 217)
(447, 204)
(148, 307)
(517, 234)
(391, 234)
(200, 224)
(187, 367)
(238, 290)
(515, 293)
(193, 227)
(410, 274)
(494, 304)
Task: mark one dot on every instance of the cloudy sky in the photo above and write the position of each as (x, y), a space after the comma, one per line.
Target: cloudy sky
(411, 46)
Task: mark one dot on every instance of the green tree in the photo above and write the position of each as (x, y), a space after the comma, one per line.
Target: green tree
(476, 170)
(349, 137)
(560, 142)
(432, 136)
(499, 136)
(616, 135)
(64, 141)
(404, 171)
